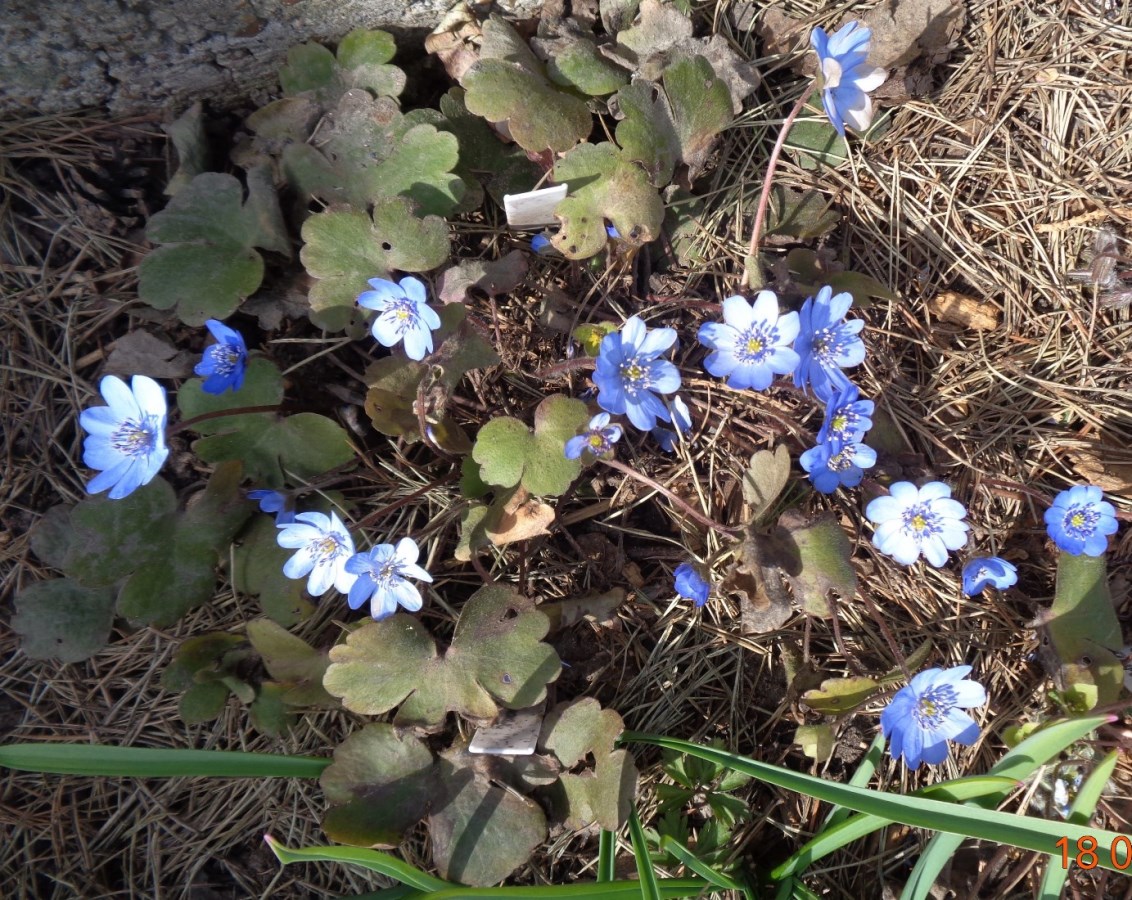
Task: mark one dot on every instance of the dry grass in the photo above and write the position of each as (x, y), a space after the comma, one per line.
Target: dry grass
(992, 189)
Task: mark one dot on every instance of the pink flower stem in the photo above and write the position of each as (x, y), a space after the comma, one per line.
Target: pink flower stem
(764, 198)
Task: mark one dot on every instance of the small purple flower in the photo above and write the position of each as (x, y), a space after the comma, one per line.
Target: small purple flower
(324, 545)
(681, 418)
(912, 521)
(691, 584)
(847, 417)
(125, 438)
(984, 570)
(598, 438)
(382, 578)
(403, 315)
(224, 362)
(1080, 521)
(923, 716)
(752, 343)
(834, 464)
(827, 343)
(846, 78)
(283, 505)
(630, 378)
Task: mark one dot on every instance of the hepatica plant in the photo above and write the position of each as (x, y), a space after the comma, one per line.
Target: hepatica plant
(460, 488)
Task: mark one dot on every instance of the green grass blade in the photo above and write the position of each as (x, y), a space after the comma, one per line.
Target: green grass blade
(606, 855)
(697, 865)
(1020, 763)
(649, 889)
(373, 860)
(1081, 812)
(861, 778)
(152, 762)
(919, 812)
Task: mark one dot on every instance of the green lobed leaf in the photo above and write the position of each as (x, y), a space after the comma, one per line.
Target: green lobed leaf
(191, 143)
(815, 555)
(361, 63)
(603, 795)
(269, 712)
(61, 619)
(270, 446)
(368, 151)
(580, 727)
(208, 263)
(575, 62)
(816, 741)
(379, 785)
(509, 454)
(293, 663)
(801, 214)
(344, 248)
(605, 183)
(508, 84)
(496, 657)
(840, 695)
(257, 569)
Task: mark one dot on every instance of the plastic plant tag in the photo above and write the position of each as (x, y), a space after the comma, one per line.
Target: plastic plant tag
(515, 734)
(534, 208)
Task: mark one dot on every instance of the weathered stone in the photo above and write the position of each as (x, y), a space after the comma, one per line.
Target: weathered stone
(134, 56)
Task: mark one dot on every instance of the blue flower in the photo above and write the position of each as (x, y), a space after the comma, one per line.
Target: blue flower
(629, 377)
(691, 584)
(681, 418)
(847, 417)
(324, 547)
(540, 242)
(826, 343)
(598, 438)
(911, 521)
(846, 78)
(1080, 521)
(283, 505)
(926, 714)
(403, 315)
(833, 464)
(126, 439)
(223, 362)
(984, 570)
(752, 344)
(612, 232)
(382, 574)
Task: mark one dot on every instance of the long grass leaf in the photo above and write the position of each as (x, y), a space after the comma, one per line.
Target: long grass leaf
(697, 865)
(153, 762)
(861, 778)
(606, 855)
(649, 889)
(373, 860)
(919, 812)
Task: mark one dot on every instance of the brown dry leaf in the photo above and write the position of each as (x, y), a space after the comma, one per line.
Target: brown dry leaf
(493, 277)
(781, 34)
(1106, 466)
(959, 309)
(521, 519)
(596, 607)
(907, 30)
(763, 600)
(456, 40)
(141, 353)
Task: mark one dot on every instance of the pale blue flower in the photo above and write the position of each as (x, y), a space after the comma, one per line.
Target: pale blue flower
(324, 547)
(126, 438)
(382, 575)
(827, 343)
(847, 417)
(846, 76)
(282, 505)
(925, 715)
(598, 438)
(691, 584)
(540, 242)
(403, 315)
(912, 521)
(630, 378)
(984, 570)
(834, 464)
(1080, 521)
(225, 362)
(681, 418)
(612, 233)
(752, 343)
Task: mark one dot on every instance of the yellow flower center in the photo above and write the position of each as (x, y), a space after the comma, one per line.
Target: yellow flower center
(919, 523)
(754, 345)
(1077, 520)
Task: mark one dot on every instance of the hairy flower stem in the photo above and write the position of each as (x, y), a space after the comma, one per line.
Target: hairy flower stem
(764, 198)
(661, 489)
(219, 414)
